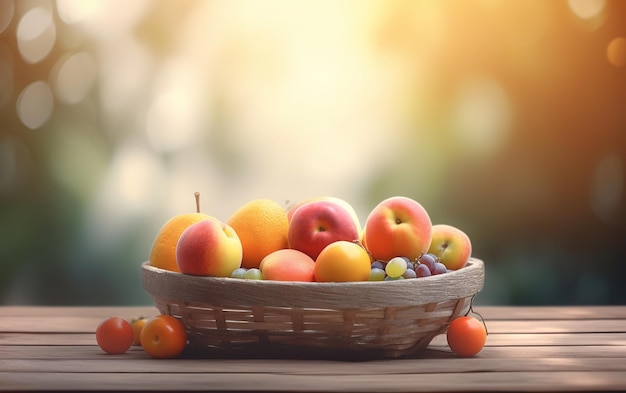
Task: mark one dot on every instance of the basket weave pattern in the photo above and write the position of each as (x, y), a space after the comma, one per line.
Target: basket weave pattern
(394, 318)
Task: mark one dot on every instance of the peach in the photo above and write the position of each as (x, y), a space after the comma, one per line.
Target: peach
(209, 248)
(315, 225)
(287, 265)
(398, 227)
(451, 245)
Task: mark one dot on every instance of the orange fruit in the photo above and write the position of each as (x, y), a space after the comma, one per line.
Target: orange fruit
(137, 325)
(342, 261)
(262, 227)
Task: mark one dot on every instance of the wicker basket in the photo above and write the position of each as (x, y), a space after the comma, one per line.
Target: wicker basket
(388, 319)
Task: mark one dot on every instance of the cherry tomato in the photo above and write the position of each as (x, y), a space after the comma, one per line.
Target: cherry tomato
(163, 337)
(466, 336)
(114, 335)
(137, 325)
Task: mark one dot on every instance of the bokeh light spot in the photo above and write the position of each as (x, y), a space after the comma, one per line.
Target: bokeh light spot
(75, 78)
(36, 34)
(616, 52)
(35, 104)
(7, 9)
(586, 9)
(74, 11)
(607, 187)
(483, 115)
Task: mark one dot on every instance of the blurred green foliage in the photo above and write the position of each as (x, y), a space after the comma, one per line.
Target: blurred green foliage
(538, 181)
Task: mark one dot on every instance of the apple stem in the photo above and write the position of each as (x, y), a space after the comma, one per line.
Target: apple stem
(197, 195)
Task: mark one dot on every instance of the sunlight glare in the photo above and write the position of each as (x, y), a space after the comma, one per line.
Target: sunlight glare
(483, 115)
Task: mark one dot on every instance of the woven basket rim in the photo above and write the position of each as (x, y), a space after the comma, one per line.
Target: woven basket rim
(233, 292)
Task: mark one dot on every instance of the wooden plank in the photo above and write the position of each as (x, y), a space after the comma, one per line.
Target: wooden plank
(491, 352)
(84, 324)
(77, 311)
(471, 381)
(315, 367)
(521, 339)
(518, 339)
(531, 313)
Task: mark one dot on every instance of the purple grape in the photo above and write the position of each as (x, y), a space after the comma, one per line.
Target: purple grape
(440, 268)
(409, 264)
(409, 273)
(378, 265)
(422, 271)
(429, 260)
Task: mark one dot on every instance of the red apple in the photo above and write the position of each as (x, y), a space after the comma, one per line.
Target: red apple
(209, 248)
(315, 225)
(398, 227)
(451, 245)
(339, 201)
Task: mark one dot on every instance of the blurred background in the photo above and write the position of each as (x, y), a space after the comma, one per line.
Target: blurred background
(506, 119)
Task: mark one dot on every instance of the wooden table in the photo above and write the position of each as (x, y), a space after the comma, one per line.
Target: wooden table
(528, 349)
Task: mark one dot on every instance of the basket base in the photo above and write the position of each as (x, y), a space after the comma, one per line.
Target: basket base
(312, 333)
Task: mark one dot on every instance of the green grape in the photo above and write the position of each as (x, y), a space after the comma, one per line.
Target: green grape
(395, 267)
(253, 274)
(377, 274)
(238, 273)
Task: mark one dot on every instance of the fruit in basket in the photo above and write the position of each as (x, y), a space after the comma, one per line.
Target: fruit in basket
(262, 226)
(317, 224)
(395, 267)
(114, 335)
(451, 245)
(342, 261)
(466, 336)
(398, 226)
(163, 251)
(339, 201)
(163, 337)
(209, 248)
(288, 265)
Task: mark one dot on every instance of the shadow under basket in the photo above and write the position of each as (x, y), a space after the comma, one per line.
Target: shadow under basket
(382, 319)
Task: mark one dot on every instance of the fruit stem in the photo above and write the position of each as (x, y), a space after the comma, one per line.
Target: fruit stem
(197, 195)
(471, 310)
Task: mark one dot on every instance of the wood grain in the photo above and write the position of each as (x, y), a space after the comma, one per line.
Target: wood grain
(528, 349)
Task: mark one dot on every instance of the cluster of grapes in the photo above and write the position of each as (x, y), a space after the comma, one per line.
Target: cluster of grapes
(399, 268)
(248, 274)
